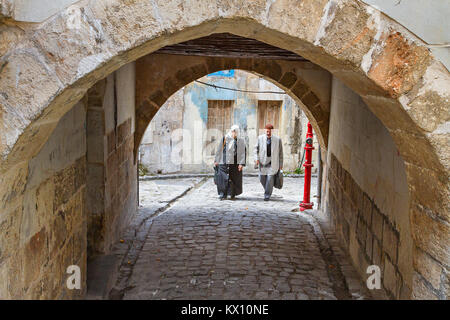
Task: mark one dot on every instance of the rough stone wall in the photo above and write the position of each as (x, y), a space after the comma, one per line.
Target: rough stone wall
(95, 134)
(45, 71)
(80, 174)
(368, 196)
(161, 147)
(43, 219)
(33, 10)
(111, 198)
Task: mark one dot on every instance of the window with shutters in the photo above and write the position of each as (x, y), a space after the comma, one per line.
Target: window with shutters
(219, 118)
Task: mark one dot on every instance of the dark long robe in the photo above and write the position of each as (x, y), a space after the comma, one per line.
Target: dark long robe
(229, 178)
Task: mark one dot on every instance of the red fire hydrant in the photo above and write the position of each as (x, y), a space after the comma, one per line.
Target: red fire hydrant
(306, 204)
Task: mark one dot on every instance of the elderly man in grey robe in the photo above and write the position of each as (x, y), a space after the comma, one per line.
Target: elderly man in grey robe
(268, 156)
(229, 162)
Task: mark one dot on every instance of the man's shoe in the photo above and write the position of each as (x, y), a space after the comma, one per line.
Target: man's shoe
(266, 199)
(233, 197)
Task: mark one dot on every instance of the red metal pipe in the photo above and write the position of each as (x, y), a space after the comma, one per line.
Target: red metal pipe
(306, 204)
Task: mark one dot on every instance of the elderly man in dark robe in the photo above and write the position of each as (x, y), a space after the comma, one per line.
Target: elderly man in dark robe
(229, 162)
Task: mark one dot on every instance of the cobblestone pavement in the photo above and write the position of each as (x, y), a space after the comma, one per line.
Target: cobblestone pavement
(204, 248)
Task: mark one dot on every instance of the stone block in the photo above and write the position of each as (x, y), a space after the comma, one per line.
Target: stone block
(58, 233)
(300, 88)
(399, 64)
(123, 131)
(12, 186)
(95, 188)
(111, 141)
(112, 164)
(405, 292)
(95, 150)
(420, 290)
(431, 186)
(357, 196)
(80, 241)
(35, 256)
(121, 150)
(78, 209)
(429, 268)
(16, 274)
(391, 278)
(310, 99)
(284, 16)
(390, 242)
(198, 71)
(95, 122)
(80, 173)
(346, 231)
(361, 233)
(26, 80)
(73, 52)
(10, 234)
(377, 253)
(377, 223)
(367, 205)
(340, 173)
(353, 43)
(288, 80)
(68, 181)
(4, 294)
(369, 245)
(348, 210)
(44, 201)
(431, 235)
(111, 187)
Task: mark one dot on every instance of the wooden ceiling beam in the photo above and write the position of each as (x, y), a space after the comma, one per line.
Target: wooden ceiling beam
(229, 45)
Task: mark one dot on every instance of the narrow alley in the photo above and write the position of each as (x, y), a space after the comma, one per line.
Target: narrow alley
(203, 248)
(114, 113)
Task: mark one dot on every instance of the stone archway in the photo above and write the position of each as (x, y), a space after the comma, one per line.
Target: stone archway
(45, 70)
(154, 88)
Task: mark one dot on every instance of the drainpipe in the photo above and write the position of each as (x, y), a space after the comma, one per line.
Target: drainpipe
(319, 180)
(306, 203)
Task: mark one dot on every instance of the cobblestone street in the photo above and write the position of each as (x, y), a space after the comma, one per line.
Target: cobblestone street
(204, 248)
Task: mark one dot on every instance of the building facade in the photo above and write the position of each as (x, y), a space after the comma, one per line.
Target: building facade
(185, 133)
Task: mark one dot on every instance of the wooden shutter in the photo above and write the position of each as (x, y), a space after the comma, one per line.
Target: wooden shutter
(219, 118)
(269, 112)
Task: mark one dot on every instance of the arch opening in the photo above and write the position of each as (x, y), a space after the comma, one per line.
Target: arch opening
(396, 93)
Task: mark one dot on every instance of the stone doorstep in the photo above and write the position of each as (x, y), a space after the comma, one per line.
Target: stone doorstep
(103, 272)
